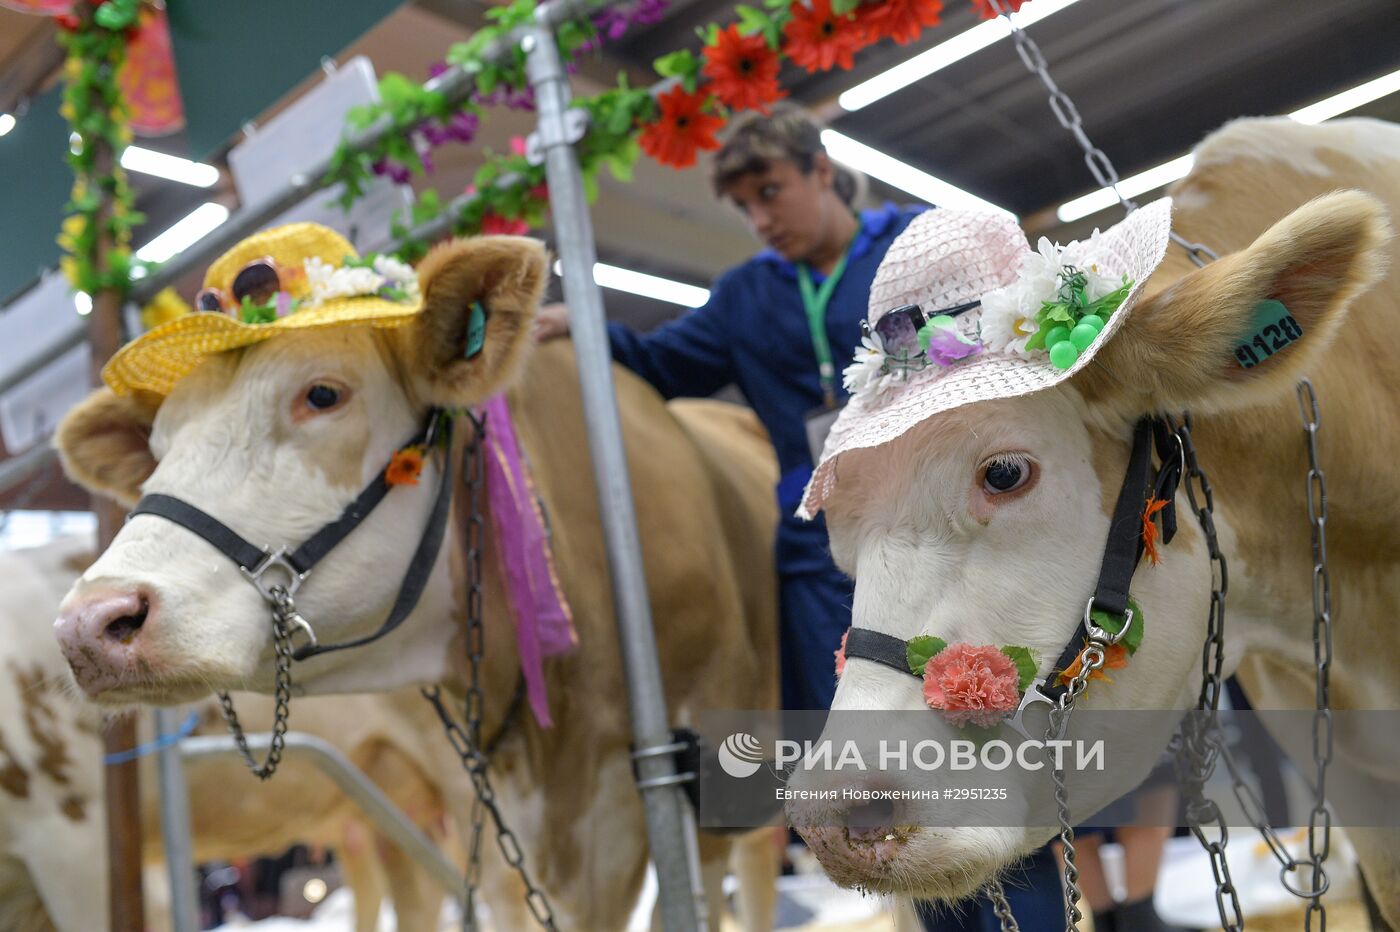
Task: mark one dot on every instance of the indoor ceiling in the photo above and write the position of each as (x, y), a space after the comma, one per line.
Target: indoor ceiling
(1150, 78)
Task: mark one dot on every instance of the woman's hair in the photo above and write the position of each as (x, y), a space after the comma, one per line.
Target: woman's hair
(789, 132)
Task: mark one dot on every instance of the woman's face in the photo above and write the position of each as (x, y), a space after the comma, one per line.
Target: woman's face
(786, 208)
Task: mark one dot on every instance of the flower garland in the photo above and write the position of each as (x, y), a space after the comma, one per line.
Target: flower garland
(96, 236)
(737, 69)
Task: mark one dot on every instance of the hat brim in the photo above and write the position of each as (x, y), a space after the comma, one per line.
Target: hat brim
(159, 358)
(1135, 247)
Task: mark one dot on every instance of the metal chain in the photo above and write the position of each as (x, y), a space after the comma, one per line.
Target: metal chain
(466, 741)
(282, 610)
(1097, 161)
(1000, 906)
(1320, 819)
(1200, 743)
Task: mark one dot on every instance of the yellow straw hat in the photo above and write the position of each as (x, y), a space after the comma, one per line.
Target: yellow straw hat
(320, 282)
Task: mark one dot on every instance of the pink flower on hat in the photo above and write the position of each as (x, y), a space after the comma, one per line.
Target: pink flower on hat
(972, 685)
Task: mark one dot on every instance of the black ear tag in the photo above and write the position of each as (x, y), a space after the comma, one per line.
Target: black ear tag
(476, 330)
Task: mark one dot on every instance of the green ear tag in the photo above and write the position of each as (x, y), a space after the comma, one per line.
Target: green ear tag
(476, 330)
(1270, 330)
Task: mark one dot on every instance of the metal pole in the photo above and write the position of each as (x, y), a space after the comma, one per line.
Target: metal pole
(355, 785)
(175, 825)
(667, 811)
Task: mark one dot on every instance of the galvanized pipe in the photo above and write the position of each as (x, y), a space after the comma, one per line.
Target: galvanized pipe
(682, 902)
(175, 825)
(18, 469)
(355, 785)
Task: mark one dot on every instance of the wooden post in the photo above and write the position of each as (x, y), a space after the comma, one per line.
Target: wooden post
(123, 800)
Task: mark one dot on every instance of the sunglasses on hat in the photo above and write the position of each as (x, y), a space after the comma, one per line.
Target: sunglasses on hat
(898, 330)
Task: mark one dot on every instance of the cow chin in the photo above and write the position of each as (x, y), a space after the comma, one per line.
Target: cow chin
(943, 864)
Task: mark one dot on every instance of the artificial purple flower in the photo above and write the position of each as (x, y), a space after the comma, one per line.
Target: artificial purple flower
(398, 174)
(611, 23)
(284, 304)
(946, 346)
(438, 68)
(463, 126)
(522, 99)
(649, 12)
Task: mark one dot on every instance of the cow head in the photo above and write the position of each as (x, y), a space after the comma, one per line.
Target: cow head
(986, 524)
(274, 440)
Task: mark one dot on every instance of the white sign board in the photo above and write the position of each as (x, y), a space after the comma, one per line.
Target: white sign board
(41, 319)
(30, 411)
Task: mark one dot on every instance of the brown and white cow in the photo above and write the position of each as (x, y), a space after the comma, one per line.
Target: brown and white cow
(237, 439)
(935, 550)
(52, 824)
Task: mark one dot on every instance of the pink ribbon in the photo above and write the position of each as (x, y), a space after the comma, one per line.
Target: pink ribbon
(544, 626)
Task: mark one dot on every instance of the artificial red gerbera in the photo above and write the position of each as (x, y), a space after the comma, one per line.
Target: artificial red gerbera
(900, 20)
(984, 8)
(493, 224)
(682, 129)
(743, 70)
(818, 39)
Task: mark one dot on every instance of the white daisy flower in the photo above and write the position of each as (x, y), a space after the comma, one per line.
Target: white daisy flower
(398, 273)
(1008, 314)
(864, 374)
(326, 282)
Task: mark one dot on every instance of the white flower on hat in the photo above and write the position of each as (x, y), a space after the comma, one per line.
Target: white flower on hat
(328, 282)
(1008, 318)
(868, 371)
(399, 274)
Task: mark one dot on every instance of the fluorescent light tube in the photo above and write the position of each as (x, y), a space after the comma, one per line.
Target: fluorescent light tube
(647, 286)
(7, 123)
(196, 225)
(902, 175)
(944, 54)
(169, 167)
(1347, 100)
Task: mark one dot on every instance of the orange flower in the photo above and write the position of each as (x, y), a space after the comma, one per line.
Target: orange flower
(405, 466)
(743, 70)
(682, 129)
(984, 8)
(818, 39)
(1149, 530)
(1115, 658)
(900, 20)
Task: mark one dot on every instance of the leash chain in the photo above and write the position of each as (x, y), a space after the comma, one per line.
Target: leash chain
(1199, 744)
(1098, 162)
(1002, 908)
(466, 741)
(1320, 819)
(282, 611)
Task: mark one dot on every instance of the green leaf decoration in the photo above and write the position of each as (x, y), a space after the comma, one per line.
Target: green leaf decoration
(1113, 623)
(921, 650)
(1105, 306)
(683, 65)
(1025, 665)
(843, 7)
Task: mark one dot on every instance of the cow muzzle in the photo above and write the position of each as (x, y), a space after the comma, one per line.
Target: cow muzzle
(100, 633)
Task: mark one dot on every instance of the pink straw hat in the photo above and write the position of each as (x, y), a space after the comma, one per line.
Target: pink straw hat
(948, 259)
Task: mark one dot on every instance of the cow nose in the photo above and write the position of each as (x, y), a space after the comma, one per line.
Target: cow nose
(99, 635)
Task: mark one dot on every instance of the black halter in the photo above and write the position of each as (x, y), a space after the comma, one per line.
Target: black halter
(1121, 554)
(296, 565)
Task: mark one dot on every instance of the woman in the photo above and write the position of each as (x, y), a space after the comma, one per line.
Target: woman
(782, 327)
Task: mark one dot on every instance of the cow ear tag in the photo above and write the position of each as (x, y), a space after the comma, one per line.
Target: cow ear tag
(1271, 328)
(476, 330)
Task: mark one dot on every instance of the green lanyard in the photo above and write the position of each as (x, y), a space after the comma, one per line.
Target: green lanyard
(815, 300)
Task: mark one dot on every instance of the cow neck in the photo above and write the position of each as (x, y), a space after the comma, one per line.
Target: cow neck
(278, 574)
(1122, 552)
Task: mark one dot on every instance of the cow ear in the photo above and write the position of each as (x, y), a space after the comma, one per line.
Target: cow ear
(1248, 326)
(479, 301)
(104, 444)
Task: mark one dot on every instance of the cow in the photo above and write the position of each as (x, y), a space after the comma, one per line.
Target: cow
(935, 551)
(162, 617)
(51, 798)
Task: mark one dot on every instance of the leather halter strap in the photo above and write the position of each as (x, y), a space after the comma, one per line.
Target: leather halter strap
(1122, 551)
(253, 560)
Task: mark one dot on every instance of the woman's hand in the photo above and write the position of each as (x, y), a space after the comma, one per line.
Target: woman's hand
(551, 322)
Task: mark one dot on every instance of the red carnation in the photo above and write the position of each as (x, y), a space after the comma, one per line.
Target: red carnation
(743, 70)
(818, 39)
(900, 20)
(682, 129)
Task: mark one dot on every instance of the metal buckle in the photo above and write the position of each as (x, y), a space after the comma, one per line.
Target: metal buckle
(297, 623)
(1103, 635)
(1033, 696)
(274, 560)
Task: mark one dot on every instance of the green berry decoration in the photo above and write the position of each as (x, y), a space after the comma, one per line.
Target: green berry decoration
(1063, 355)
(1092, 320)
(1082, 335)
(1056, 335)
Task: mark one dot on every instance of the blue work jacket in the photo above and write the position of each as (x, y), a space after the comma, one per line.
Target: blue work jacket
(753, 332)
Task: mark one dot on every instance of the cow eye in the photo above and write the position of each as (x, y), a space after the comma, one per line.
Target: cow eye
(322, 397)
(1006, 472)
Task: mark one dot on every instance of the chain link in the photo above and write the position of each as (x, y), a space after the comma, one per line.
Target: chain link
(1067, 115)
(282, 611)
(1000, 906)
(466, 741)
